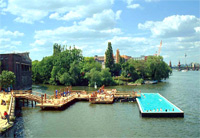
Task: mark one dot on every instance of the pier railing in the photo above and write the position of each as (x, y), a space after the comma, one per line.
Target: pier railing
(10, 106)
(66, 95)
(31, 95)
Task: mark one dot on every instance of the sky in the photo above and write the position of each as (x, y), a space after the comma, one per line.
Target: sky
(135, 27)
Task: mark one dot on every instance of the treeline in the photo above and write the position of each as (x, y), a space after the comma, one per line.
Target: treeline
(67, 66)
(154, 68)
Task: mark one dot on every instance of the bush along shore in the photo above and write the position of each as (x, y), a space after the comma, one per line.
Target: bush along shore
(67, 66)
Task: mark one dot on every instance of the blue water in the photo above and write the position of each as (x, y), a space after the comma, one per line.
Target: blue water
(153, 102)
(118, 120)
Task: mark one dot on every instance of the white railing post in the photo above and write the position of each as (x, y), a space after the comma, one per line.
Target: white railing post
(10, 107)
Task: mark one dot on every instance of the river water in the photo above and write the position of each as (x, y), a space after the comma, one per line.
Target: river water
(119, 119)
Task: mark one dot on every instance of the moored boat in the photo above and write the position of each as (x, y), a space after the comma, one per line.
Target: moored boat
(184, 70)
(151, 82)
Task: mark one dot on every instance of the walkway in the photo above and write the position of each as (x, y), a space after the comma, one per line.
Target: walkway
(68, 96)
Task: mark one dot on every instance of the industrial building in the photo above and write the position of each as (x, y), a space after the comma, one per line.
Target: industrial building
(20, 64)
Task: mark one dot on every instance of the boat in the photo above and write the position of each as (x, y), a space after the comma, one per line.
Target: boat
(151, 82)
(95, 85)
(184, 70)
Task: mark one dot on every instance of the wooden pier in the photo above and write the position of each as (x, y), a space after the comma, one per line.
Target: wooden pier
(67, 96)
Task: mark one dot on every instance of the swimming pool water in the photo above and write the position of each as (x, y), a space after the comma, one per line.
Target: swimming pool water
(154, 102)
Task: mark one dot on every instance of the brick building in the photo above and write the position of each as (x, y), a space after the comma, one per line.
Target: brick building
(102, 59)
(20, 64)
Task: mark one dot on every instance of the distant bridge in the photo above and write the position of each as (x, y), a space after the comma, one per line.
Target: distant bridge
(186, 68)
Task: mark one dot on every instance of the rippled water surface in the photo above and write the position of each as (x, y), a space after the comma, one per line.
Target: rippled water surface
(119, 119)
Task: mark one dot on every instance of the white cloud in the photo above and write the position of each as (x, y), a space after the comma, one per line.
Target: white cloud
(59, 9)
(129, 2)
(99, 26)
(54, 16)
(4, 40)
(85, 34)
(112, 31)
(172, 26)
(152, 0)
(130, 45)
(74, 34)
(166, 56)
(69, 16)
(197, 29)
(129, 39)
(9, 40)
(133, 6)
(118, 13)
(2, 4)
(4, 33)
(16, 43)
(103, 20)
(35, 49)
(38, 42)
(181, 47)
(41, 21)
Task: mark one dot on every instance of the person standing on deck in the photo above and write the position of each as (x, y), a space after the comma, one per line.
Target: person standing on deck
(6, 117)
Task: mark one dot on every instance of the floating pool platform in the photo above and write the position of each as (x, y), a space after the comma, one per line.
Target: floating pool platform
(155, 105)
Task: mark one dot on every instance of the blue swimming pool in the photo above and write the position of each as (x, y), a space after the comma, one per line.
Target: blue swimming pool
(156, 103)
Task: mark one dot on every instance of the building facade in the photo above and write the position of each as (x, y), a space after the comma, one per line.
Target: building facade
(20, 64)
(102, 59)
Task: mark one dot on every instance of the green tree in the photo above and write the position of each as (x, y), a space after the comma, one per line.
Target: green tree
(45, 68)
(139, 66)
(121, 60)
(157, 69)
(36, 77)
(74, 71)
(89, 63)
(66, 79)
(7, 79)
(128, 70)
(94, 76)
(117, 69)
(56, 49)
(55, 75)
(109, 58)
(106, 77)
(0, 66)
(51, 68)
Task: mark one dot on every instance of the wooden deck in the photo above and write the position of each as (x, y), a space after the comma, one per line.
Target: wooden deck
(67, 96)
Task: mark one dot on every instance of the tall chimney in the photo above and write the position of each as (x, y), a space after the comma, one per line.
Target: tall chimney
(117, 56)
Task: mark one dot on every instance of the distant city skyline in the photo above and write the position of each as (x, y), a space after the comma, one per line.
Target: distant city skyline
(135, 27)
